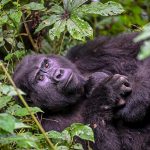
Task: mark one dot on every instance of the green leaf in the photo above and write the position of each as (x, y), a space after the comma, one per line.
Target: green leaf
(15, 16)
(145, 50)
(72, 4)
(24, 111)
(57, 29)
(77, 146)
(82, 131)
(54, 135)
(62, 148)
(34, 6)
(57, 9)
(78, 28)
(108, 9)
(19, 125)
(17, 54)
(144, 35)
(4, 2)
(24, 140)
(51, 20)
(7, 122)
(4, 100)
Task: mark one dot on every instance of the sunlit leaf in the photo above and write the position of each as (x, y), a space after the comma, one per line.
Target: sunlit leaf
(57, 9)
(78, 28)
(34, 6)
(82, 131)
(57, 29)
(108, 9)
(24, 112)
(51, 20)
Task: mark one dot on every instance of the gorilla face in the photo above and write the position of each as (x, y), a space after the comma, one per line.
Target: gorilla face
(50, 82)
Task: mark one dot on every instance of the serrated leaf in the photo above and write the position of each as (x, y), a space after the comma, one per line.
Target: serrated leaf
(51, 20)
(57, 9)
(82, 131)
(34, 6)
(7, 122)
(24, 112)
(4, 100)
(57, 29)
(78, 28)
(108, 9)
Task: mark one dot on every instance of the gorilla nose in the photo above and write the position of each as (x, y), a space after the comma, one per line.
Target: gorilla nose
(58, 74)
(61, 74)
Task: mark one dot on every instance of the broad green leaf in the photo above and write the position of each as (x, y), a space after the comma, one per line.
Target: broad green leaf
(82, 131)
(7, 122)
(34, 6)
(66, 136)
(54, 135)
(77, 146)
(57, 9)
(78, 28)
(57, 29)
(51, 20)
(4, 100)
(3, 19)
(12, 109)
(20, 45)
(24, 111)
(108, 9)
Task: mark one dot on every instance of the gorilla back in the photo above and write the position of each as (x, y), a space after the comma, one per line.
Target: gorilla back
(100, 83)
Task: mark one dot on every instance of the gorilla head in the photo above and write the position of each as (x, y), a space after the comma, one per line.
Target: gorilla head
(50, 82)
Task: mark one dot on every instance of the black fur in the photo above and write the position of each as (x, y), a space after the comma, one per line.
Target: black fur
(110, 90)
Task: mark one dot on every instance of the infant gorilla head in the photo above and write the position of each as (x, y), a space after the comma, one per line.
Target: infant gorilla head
(50, 82)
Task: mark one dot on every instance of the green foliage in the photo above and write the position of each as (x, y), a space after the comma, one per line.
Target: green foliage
(145, 49)
(68, 16)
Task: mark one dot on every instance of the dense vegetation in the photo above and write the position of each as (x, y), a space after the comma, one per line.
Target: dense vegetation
(53, 27)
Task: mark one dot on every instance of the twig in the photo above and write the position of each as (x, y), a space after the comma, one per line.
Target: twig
(29, 34)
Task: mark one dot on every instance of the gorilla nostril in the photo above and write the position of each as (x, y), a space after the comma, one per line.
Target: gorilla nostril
(59, 73)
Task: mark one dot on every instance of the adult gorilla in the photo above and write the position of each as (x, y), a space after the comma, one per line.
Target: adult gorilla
(100, 83)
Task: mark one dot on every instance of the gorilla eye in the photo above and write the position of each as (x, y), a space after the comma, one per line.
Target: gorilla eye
(40, 77)
(46, 65)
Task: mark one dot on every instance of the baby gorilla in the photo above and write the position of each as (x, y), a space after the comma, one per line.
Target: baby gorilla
(100, 83)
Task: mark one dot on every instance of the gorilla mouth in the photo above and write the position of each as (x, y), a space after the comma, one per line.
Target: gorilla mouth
(68, 81)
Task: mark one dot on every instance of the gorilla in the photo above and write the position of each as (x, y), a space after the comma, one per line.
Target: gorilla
(100, 83)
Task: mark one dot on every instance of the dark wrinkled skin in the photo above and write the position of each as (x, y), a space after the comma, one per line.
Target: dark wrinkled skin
(100, 83)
